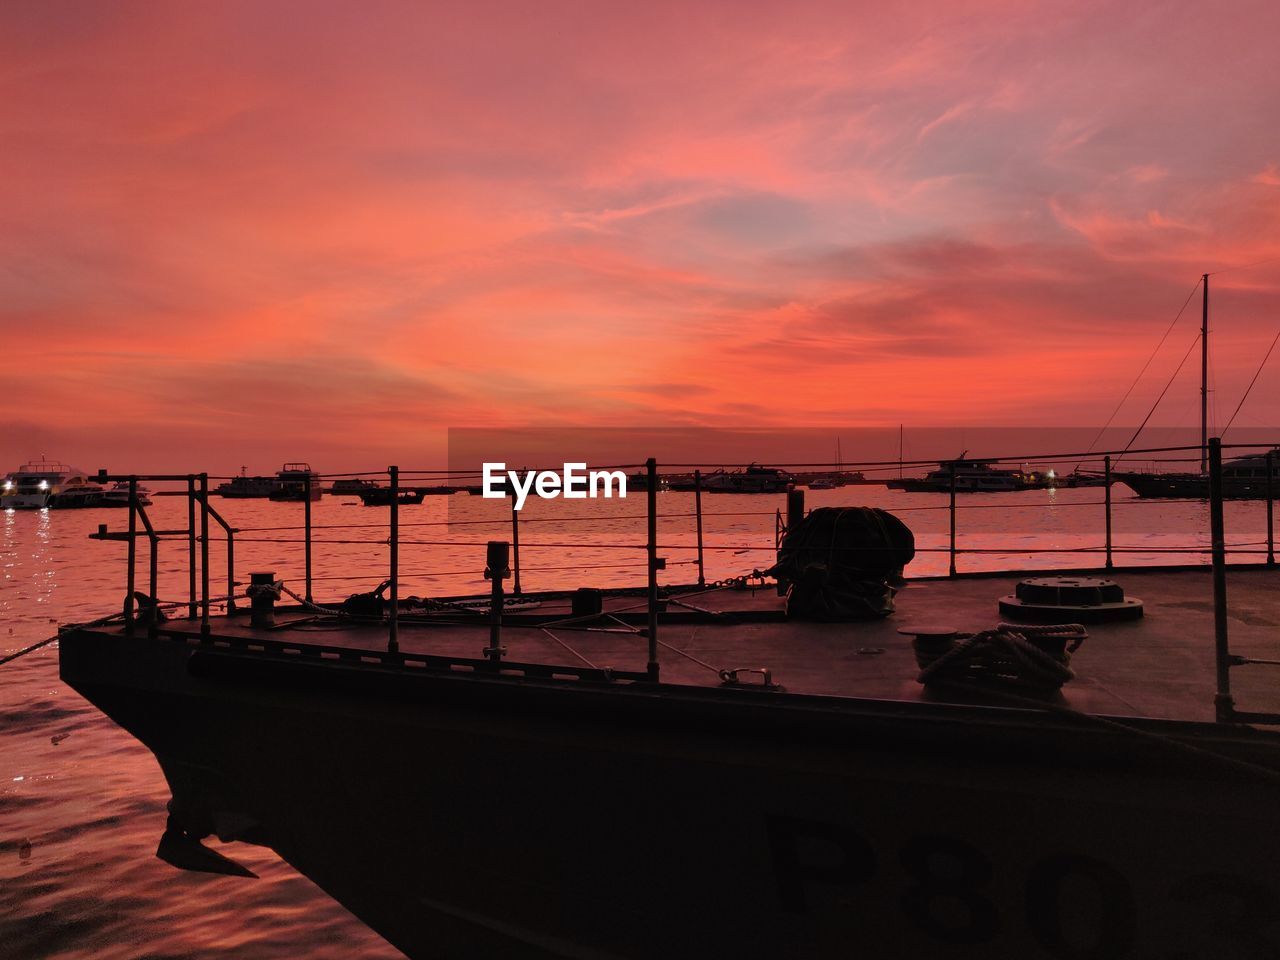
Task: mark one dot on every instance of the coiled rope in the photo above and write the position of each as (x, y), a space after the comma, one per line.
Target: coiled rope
(1016, 655)
(279, 587)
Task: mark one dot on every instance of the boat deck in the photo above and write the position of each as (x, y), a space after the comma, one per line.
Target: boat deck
(1161, 666)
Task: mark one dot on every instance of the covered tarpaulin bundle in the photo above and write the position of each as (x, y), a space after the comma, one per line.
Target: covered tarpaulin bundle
(841, 563)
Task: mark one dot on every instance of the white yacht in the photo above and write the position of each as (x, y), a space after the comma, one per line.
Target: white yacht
(32, 485)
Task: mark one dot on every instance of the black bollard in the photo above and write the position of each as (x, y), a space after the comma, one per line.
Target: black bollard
(496, 570)
(262, 599)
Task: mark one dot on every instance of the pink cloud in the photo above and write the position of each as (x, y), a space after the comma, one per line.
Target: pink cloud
(821, 212)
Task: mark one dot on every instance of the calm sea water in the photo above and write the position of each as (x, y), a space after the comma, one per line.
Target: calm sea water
(82, 805)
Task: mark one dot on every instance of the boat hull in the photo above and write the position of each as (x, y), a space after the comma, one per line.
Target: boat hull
(76, 500)
(383, 497)
(295, 496)
(468, 815)
(24, 501)
(1196, 487)
(963, 485)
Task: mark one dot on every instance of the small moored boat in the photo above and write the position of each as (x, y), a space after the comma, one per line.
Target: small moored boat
(1244, 478)
(381, 497)
(971, 476)
(118, 496)
(296, 481)
(245, 487)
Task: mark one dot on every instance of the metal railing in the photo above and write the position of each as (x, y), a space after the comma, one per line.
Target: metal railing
(503, 557)
(197, 493)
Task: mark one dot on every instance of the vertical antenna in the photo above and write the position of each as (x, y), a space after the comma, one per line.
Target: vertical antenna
(1204, 376)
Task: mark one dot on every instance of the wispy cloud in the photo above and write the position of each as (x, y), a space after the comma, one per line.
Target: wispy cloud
(390, 221)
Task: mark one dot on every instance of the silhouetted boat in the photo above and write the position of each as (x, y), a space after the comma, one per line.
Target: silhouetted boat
(351, 487)
(1244, 478)
(971, 476)
(118, 495)
(467, 808)
(829, 480)
(639, 481)
(381, 497)
(470, 779)
(245, 488)
(1077, 478)
(77, 496)
(754, 479)
(296, 482)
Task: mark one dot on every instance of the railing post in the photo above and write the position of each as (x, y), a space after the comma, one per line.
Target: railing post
(231, 556)
(515, 546)
(306, 520)
(231, 567)
(1106, 482)
(393, 634)
(496, 568)
(262, 600)
(779, 529)
(697, 509)
(191, 547)
(951, 570)
(131, 575)
(795, 507)
(651, 469)
(153, 578)
(1271, 529)
(1223, 705)
(204, 553)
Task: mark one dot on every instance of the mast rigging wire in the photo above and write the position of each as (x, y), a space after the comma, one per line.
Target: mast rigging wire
(1150, 412)
(1257, 373)
(1246, 266)
(1143, 371)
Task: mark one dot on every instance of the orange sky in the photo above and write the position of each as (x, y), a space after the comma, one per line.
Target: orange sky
(244, 233)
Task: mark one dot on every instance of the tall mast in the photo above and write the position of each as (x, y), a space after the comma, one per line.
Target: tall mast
(1204, 375)
(899, 451)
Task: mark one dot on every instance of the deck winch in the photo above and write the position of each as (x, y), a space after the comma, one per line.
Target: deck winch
(1070, 600)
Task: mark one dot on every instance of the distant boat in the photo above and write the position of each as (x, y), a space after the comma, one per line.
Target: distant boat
(754, 479)
(640, 481)
(33, 484)
(1076, 478)
(839, 477)
(830, 481)
(118, 496)
(291, 482)
(352, 487)
(1244, 478)
(381, 496)
(245, 487)
(92, 495)
(971, 476)
(76, 496)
